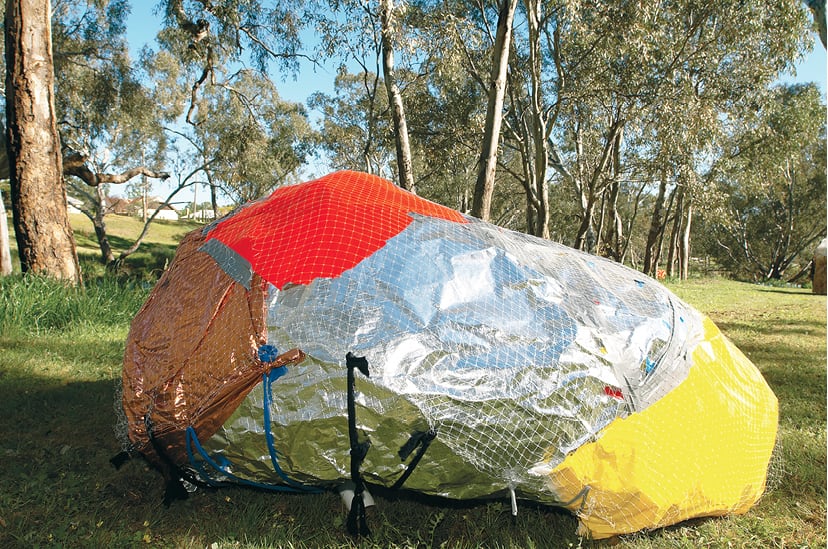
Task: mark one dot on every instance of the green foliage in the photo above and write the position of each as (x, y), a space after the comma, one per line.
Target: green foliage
(770, 192)
(670, 76)
(104, 109)
(251, 140)
(354, 135)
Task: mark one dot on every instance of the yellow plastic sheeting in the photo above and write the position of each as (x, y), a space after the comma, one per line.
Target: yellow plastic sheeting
(702, 450)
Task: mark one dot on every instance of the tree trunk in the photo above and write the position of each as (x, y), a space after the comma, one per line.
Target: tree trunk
(214, 200)
(41, 222)
(657, 221)
(582, 239)
(672, 253)
(539, 141)
(144, 192)
(684, 242)
(404, 163)
(487, 165)
(599, 227)
(100, 227)
(5, 250)
(593, 187)
(615, 238)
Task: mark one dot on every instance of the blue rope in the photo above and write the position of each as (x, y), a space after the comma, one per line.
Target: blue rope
(193, 442)
(267, 379)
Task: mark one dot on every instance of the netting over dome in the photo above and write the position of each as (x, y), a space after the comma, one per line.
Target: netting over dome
(559, 376)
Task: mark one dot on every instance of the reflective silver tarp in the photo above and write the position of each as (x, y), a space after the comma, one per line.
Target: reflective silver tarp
(514, 349)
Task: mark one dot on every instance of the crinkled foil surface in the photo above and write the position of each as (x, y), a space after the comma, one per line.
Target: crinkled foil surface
(515, 350)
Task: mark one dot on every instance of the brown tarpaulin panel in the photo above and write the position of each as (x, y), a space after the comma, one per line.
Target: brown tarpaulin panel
(192, 356)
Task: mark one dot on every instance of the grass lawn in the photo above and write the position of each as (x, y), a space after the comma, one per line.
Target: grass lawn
(60, 358)
(155, 252)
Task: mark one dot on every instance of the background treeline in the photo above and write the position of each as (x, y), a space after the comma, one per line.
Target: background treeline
(649, 132)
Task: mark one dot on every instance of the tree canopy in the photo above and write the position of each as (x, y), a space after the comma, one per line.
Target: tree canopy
(623, 127)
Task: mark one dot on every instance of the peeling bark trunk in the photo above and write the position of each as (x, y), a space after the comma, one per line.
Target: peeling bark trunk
(684, 242)
(404, 163)
(41, 222)
(539, 122)
(615, 239)
(657, 221)
(584, 230)
(100, 227)
(593, 188)
(672, 254)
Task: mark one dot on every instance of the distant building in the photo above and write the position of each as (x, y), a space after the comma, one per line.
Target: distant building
(202, 215)
(116, 205)
(165, 212)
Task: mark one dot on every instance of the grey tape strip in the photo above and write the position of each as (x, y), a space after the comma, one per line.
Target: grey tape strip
(236, 267)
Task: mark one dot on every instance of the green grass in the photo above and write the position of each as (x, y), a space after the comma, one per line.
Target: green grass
(783, 331)
(60, 357)
(148, 262)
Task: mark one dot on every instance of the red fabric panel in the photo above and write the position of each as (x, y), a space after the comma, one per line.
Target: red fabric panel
(322, 228)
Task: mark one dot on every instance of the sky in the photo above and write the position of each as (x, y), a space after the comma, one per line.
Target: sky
(143, 25)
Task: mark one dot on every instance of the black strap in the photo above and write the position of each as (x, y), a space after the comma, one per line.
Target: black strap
(357, 523)
(174, 489)
(118, 460)
(419, 438)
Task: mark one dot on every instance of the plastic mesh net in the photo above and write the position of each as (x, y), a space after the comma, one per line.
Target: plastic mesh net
(523, 355)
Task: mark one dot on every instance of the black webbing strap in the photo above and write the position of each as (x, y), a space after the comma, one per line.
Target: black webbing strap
(423, 440)
(357, 523)
(118, 460)
(174, 489)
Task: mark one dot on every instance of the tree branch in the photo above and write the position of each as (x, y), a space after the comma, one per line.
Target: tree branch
(74, 163)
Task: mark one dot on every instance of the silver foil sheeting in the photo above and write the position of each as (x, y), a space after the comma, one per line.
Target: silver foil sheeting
(516, 350)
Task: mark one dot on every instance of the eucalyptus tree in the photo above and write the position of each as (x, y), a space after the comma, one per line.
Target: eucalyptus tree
(44, 237)
(389, 34)
(109, 124)
(629, 67)
(216, 44)
(771, 191)
(216, 60)
(460, 98)
(211, 39)
(447, 110)
(250, 140)
(354, 135)
(365, 38)
(496, 86)
(534, 107)
(355, 125)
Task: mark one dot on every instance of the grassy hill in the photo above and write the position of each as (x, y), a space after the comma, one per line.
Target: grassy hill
(155, 252)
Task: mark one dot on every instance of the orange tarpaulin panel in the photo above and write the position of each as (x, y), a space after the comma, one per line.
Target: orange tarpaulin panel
(321, 228)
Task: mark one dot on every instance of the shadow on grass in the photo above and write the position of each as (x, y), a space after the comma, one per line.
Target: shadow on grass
(788, 291)
(59, 488)
(148, 262)
(789, 327)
